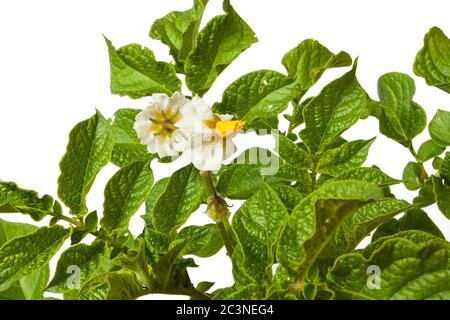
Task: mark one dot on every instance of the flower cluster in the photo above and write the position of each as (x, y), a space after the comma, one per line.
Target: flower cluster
(173, 125)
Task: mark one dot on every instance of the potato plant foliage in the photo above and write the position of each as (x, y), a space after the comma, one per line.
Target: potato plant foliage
(295, 236)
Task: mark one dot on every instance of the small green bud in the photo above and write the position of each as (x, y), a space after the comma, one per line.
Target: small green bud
(217, 209)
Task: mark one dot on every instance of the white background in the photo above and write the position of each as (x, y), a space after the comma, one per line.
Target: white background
(54, 72)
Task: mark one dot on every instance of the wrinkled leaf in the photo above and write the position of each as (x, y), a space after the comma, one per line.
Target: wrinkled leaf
(309, 60)
(338, 106)
(428, 150)
(440, 128)
(259, 94)
(369, 174)
(14, 199)
(125, 192)
(401, 119)
(409, 271)
(183, 194)
(433, 60)
(127, 147)
(202, 241)
(349, 156)
(315, 219)
(87, 259)
(178, 30)
(89, 150)
(257, 225)
(218, 44)
(23, 255)
(136, 73)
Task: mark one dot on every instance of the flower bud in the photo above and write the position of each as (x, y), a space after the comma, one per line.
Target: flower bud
(217, 209)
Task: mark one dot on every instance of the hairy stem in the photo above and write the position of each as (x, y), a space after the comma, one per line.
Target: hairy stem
(211, 191)
(226, 238)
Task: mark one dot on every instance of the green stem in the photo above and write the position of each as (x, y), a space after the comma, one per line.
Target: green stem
(226, 238)
(76, 223)
(314, 176)
(412, 150)
(419, 162)
(211, 191)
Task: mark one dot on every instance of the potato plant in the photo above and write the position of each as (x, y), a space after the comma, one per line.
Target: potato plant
(297, 232)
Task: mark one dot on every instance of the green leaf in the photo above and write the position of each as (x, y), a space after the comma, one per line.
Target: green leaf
(30, 287)
(125, 192)
(365, 220)
(288, 195)
(87, 258)
(89, 150)
(414, 234)
(156, 191)
(415, 219)
(204, 286)
(136, 73)
(23, 255)
(440, 128)
(426, 195)
(240, 181)
(257, 225)
(14, 199)
(409, 271)
(249, 292)
(413, 176)
(170, 271)
(433, 60)
(201, 241)
(314, 220)
(297, 114)
(444, 167)
(183, 194)
(127, 147)
(283, 285)
(338, 106)
(369, 174)
(291, 153)
(307, 62)
(218, 44)
(117, 285)
(135, 260)
(11, 230)
(436, 164)
(259, 94)
(349, 156)
(178, 30)
(91, 221)
(401, 119)
(442, 194)
(428, 150)
(264, 126)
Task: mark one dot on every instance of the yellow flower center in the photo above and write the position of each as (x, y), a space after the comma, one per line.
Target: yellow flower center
(224, 127)
(163, 122)
(227, 127)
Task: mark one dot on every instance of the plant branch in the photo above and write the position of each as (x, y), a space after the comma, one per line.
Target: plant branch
(76, 223)
(225, 238)
(222, 223)
(419, 162)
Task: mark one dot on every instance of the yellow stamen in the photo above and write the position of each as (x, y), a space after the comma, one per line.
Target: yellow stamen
(227, 127)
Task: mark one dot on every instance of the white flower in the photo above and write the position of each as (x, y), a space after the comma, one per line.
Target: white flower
(211, 134)
(156, 126)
